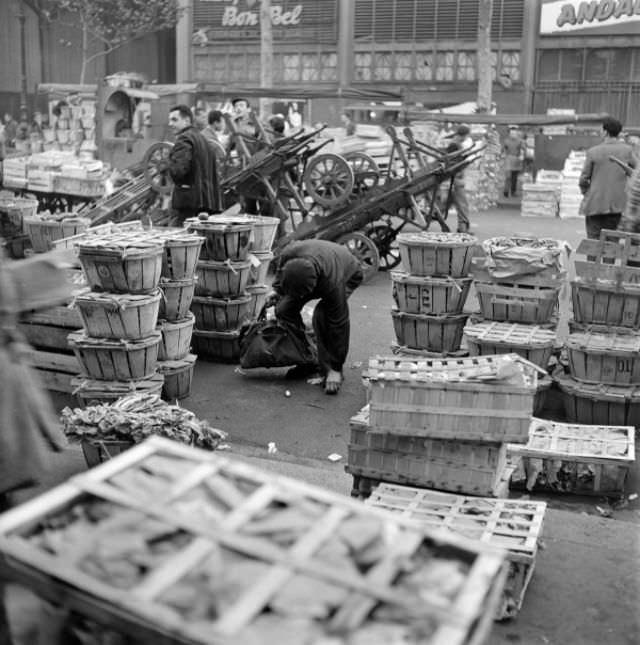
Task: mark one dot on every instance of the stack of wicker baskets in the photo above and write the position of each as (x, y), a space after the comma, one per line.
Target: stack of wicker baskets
(518, 282)
(432, 293)
(176, 322)
(226, 270)
(118, 348)
(603, 348)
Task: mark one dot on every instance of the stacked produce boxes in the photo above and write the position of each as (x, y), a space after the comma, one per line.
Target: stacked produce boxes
(442, 423)
(570, 193)
(230, 288)
(224, 552)
(518, 283)
(603, 383)
(118, 348)
(13, 210)
(431, 294)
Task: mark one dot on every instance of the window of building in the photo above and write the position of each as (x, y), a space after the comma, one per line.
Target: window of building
(310, 67)
(548, 65)
(328, 67)
(363, 66)
(253, 68)
(291, 67)
(404, 67)
(445, 66)
(466, 69)
(237, 67)
(382, 66)
(424, 66)
(510, 64)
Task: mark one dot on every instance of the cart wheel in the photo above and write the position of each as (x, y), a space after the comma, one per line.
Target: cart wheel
(366, 172)
(155, 164)
(384, 237)
(365, 251)
(328, 180)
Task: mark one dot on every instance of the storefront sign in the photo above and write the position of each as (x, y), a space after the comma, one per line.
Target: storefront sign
(598, 17)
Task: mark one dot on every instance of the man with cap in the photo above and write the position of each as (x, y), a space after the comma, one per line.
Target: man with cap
(318, 269)
(459, 140)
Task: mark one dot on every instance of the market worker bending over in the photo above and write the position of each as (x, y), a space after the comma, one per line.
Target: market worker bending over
(313, 269)
(192, 166)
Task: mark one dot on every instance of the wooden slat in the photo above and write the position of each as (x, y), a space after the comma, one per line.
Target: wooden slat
(47, 336)
(57, 381)
(61, 316)
(53, 361)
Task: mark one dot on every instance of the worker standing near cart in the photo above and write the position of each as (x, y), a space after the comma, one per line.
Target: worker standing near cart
(192, 167)
(459, 140)
(318, 269)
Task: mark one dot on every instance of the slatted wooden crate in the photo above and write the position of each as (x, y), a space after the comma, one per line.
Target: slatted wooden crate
(613, 259)
(612, 358)
(441, 334)
(572, 458)
(484, 398)
(517, 303)
(437, 254)
(474, 468)
(529, 341)
(606, 303)
(511, 524)
(227, 553)
(426, 295)
(607, 405)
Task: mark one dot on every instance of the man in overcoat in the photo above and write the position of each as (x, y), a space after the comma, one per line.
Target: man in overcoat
(192, 167)
(603, 182)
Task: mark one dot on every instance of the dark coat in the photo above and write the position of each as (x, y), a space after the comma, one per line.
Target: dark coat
(603, 182)
(192, 166)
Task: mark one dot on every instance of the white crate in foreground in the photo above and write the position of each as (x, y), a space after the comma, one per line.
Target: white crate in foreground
(201, 549)
(512, 524)
(574, 458)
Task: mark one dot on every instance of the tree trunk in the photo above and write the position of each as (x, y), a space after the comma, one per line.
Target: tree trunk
(85, 53)
(485, 81)
(266, 56)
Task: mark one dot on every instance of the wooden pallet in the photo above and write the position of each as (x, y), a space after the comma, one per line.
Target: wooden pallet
(277, 530)
(512, 524)
(466, 398)
(574, 458)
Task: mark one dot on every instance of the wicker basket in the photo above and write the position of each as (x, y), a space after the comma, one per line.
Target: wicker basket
(112, 360)
(180, 257)
(225, 238)
(258, 293)
(612, 358)
(517, 303)
(43, 232)
(452, 398)
(442, 334)
(92, 392)
(216, 314)
(260, 268)
(222, 279)
(176, 298)
(264, 233)
(437, 254)
(529, 341)
(118, 315)
(97, 451)
(176, 338)
(219, 346)
(432, 296)
(178, 376)
(608, 405)
(457, 466)
(122, 270)
(605, 303)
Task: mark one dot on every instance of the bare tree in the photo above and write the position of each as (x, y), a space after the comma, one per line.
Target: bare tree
(266, 56)
(106, 25)
(485, 10)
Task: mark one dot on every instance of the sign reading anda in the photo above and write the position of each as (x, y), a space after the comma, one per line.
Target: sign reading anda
(598, 17)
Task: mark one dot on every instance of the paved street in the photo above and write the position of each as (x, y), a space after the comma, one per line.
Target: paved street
(585, 589)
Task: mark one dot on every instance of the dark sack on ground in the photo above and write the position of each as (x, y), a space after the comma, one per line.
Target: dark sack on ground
(273, 343)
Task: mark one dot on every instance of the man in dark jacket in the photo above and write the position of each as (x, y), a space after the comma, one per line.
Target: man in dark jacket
(192, 166)
(313, 269)
(604, 182)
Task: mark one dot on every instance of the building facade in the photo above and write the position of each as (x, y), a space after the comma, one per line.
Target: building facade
(546, 53)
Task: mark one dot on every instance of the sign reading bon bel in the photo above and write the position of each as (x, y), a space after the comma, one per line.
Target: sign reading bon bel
(247, 13)
(594, 18)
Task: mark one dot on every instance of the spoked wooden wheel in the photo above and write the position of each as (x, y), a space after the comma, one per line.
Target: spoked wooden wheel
(366, 172)
(156, 167)
(365, 251)
(328, 180)
(384, 237)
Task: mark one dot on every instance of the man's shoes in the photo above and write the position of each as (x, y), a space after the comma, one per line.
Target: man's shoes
(302, 371)
(332, 382)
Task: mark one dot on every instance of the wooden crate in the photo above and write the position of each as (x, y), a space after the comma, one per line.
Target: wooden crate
(552, 276)
(264, 545)
(517, 303)
(610, 259)
(515, 525)
(425, 295)
(607, 405)
(611, 358)
(471, 467)
(529, 341)
(437, 254)
(441, 334)
(56, 370)
(606, 303)
(463, 398)
(572, 458)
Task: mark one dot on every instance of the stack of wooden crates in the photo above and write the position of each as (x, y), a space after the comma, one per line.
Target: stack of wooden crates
(431, 294)
(518, 281)
(231, 276)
